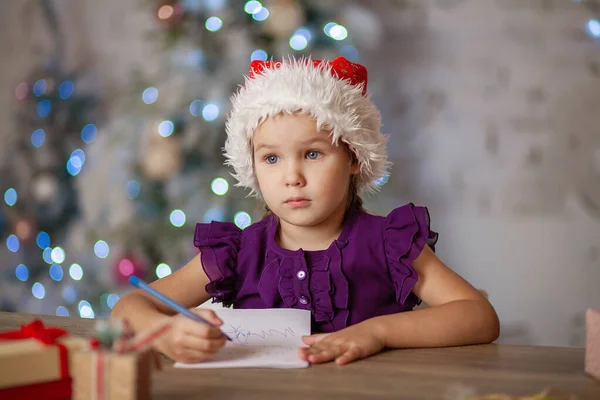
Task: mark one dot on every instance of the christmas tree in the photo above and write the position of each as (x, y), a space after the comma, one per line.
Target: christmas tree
(167, 132)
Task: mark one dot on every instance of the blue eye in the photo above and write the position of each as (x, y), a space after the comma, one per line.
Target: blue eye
(271, 159)
(313, 154)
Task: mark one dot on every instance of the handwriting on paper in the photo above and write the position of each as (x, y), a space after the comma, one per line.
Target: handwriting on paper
(267, 338)
(244, 336)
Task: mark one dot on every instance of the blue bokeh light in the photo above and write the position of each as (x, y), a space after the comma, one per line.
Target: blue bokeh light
(101, 249)
(43, 108)
(12, 243)
(38, 137)
(88, 133)
(150, 95)
(38, 290)
(56, 272)
(259, 54)
(133, 189)
(22, 272)
(65, 90)
(210, 112)
(166, 128)
(10, 197)
(39, 87)
(43, 240)
(62, 311)
(213, 24)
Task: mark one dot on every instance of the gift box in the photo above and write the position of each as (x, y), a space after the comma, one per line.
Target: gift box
(36, 360)
(107, 375)
(117, 365)
(592, 343)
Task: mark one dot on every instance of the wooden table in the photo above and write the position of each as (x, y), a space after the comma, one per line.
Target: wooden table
(397, 374)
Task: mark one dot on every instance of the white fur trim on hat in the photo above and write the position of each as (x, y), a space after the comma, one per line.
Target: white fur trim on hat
(300, 86)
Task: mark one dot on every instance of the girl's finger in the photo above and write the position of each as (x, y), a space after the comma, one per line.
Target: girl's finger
(208, 315)
(325, 354)
(312, 339)
(201, 330)
(191, 355)
(350, 355)
(202, 344)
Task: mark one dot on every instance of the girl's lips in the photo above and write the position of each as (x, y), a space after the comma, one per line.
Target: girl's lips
(295, 203)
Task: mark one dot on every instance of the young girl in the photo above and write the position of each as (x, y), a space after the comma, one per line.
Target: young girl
(305, 137)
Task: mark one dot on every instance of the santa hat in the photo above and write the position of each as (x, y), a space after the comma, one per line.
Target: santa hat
(334, 93)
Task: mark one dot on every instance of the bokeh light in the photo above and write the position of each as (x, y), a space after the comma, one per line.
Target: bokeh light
(163, 270)
(126, 267)
(196, 108)
(259, 54)
(38, 137)
(252, 7)
(10, 197)
(22, 272)
(76, 272)
(150, 95)
(88, 133)
(242, 219)
(210, 112)
(219, 186)
(38, 290)
(101, 249)
(39, 87)
(261, 15)
(65, 90)
(213, 24)
(111, 300)
(75, 162)
(43, 240)
(61, 311)
(56, 272)
(133, 189)
(166, 128)
(12, 243)
(21, 90)
(382, 180)
(177, 218)
(69, 293)
(85, 309)
(43, 108)
(298, 42)
(593, 28)
(58, 255)
(47, 255)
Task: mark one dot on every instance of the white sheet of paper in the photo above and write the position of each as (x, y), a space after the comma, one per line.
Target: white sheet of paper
(267, 338)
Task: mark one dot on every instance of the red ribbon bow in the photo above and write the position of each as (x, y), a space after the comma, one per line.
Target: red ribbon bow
(341, 67)
(48, 336)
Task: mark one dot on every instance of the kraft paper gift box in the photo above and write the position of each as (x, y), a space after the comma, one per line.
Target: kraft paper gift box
(107, 375)
(36, 362)
(592, 342)
(118, 366)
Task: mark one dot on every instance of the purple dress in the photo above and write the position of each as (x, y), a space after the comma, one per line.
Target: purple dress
(365, 273)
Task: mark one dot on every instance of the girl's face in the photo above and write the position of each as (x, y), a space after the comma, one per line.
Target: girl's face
(303, 177)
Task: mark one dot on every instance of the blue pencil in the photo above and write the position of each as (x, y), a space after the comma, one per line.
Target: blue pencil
(137, 282)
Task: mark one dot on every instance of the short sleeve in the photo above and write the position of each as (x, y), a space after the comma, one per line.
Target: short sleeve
(405, 235)
(219, 245)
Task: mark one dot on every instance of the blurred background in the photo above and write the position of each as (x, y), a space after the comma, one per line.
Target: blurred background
(112, 122)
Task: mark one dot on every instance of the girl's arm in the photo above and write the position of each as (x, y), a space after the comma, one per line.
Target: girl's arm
(458, 313)
(186, 286)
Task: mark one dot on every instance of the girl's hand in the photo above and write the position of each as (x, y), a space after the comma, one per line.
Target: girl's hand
(349, 344)
(189, 341)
